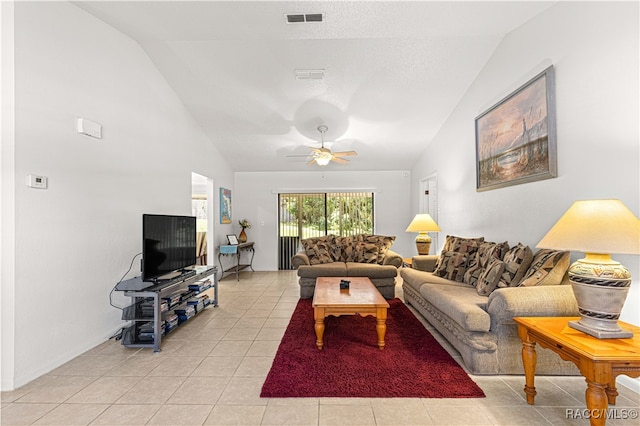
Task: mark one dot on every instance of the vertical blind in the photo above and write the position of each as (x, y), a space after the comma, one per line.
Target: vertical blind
(313, 215)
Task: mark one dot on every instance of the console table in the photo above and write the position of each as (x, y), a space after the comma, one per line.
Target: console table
(599, 360)
(236, 252)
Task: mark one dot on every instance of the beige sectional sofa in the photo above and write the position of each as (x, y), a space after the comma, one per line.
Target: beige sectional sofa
(352, 256)
(472, 297)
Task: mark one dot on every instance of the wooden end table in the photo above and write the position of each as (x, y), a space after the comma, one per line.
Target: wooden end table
(361, 298)
(599, 360)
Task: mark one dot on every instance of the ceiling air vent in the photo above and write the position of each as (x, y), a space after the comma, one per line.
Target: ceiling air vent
(295, 18)
(309, 74)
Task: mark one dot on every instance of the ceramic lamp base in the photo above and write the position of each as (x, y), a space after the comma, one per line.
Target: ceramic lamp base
(423, 243)
(600, 286)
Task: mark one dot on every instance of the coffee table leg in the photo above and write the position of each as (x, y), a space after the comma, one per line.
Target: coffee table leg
(318, 314)
(529, 361)
(381, 326)
(596, 397)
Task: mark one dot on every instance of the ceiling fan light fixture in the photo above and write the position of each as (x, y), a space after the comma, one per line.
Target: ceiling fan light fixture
(323, 160)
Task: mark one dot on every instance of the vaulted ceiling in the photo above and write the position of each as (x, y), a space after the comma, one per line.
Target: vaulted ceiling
(393, 71)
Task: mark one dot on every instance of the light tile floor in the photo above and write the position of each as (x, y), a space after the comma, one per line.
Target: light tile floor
(211, 370)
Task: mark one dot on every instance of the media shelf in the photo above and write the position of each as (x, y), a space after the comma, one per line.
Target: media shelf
(152, 312)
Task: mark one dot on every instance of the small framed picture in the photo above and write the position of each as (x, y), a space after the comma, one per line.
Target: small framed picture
(233, 240)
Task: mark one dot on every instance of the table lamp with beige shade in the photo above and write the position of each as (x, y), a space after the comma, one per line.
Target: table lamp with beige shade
(423, 223)
(600, 284)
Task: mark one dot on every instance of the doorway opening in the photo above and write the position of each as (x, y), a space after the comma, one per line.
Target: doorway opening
(202, 207)
(429, 204)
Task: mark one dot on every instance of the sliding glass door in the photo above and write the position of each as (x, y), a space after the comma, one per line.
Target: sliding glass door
(313, 215)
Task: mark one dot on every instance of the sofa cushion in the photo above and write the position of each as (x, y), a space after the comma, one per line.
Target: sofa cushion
(517, 261)
(366, 252)
(356, 269)
(416, 278)
(460, 303)
(487, 252)
(548, 268)
(490, 277)
(333, 269)
(452, 266)
(461, 245)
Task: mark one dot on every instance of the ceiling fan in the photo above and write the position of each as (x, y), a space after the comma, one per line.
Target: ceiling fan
(322, 156)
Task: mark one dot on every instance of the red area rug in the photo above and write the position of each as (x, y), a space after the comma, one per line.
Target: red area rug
(413, 364)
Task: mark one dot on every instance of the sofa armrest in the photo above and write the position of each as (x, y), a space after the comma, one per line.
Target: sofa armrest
(300, 259)
(426, 263)
(540, 301)
(392, 258)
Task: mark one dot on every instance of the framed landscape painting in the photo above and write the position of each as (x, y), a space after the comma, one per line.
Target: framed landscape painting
(225, 205)
(516, 138)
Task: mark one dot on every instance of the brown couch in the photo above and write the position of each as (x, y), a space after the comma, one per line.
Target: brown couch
(474, 309)
(354, 256)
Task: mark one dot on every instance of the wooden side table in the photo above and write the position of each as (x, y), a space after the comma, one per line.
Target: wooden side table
(600, 361)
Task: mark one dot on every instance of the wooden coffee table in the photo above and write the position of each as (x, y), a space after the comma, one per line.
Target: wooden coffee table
(361, 298)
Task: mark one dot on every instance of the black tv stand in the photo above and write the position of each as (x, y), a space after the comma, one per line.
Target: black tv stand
(147, 301)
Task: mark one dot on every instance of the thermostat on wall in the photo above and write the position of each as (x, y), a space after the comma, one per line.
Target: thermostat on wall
(39, 182)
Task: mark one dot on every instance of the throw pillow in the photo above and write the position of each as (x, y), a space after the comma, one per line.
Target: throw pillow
(487, 252)
(383, 242)
(517, 261)
(548, 268)
(343, 249)
(319, 250)
(452, 266)
(366, 252)
(460, 245)
(490, 277)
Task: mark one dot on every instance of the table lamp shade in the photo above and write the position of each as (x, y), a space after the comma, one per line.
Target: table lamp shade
(423, 223)
(600, 284)
(595, 226)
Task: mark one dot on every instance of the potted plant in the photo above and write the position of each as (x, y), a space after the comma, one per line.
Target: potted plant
(244, 224)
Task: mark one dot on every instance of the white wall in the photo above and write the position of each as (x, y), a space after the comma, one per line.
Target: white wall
(594, 49)
(256, 199)
(75, 240)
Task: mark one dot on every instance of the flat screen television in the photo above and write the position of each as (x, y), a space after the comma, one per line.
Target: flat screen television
(168, 245)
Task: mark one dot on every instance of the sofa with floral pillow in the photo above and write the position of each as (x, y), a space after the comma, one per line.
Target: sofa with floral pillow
(351, 256)
(472, 291)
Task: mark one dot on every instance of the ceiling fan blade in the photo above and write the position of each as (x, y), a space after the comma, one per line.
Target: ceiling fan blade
(339, 160)
(345, 153)
(311, 162)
